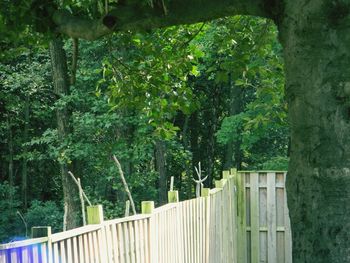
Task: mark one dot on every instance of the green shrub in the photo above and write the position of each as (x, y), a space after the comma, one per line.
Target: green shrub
(45, 214)
(11, 226)
(278, 163)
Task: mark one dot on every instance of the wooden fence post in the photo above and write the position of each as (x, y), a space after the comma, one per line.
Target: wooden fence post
(41, 231)
(173, 196)
(44, 231)
(241, 217)
(147, 207)
(205, 192)
(95, 217)
(94, 214)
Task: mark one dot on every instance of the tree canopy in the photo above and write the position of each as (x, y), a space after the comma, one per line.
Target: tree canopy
(174, 84)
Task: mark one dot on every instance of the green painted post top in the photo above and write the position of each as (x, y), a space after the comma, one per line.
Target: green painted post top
(205, 192)
(94, 214)
(41, 231)
(173, 196)
(225, 174)
(147, 207)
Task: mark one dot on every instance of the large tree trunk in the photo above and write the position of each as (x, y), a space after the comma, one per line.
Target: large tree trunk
(61, 86)
(317, 56)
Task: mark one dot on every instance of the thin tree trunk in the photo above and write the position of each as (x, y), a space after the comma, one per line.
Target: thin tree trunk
(25, 151)
(194, 129)
(209, 143)
(11, 174)
(188, 165)
(161, 169)
(237, 106)
(317, 55)
(61, 86)
(233, 154)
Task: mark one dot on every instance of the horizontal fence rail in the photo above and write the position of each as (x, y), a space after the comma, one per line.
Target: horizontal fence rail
(244, 219)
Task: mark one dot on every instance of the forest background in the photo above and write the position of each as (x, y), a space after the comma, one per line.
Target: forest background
(161, 101)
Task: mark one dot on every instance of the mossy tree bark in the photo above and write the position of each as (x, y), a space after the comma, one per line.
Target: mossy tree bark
(316, 40)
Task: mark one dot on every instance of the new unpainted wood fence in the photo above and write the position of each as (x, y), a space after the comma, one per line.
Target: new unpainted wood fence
(244, 219)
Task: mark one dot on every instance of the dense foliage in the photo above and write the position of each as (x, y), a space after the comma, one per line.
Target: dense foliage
(160, 101)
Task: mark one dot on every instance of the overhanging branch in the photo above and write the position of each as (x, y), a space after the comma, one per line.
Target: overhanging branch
(137, 17)
(77, 27)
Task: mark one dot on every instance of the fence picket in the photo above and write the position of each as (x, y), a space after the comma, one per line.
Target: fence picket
(69, 251)
(113, 240)
(121, 243)
(271, 217)
(62, 252)
(241, 218)
(147, 233)
(127, 242)
(137, 241)
(254, 217)
(25, 255)
(75, 249)
(56, 253)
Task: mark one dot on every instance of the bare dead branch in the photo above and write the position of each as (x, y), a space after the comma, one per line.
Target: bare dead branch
(77, 183)
(121, 173)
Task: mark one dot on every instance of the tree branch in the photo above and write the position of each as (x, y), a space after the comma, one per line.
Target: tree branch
(125, 184)
(137, 17)
(79, 185)
(76, 27)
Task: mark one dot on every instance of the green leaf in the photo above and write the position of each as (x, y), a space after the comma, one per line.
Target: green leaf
(195, 71)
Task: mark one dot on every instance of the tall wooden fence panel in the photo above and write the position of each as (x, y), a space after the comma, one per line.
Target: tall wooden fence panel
(264, 225)
(244, 219)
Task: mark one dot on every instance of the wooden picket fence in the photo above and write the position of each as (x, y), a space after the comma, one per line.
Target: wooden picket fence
(243, 219)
